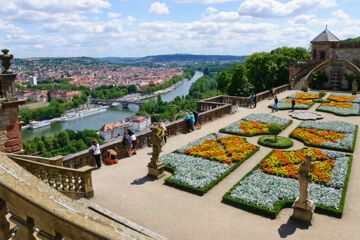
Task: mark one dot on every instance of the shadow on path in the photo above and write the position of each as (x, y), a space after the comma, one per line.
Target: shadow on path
(141, 181)
(290, 227)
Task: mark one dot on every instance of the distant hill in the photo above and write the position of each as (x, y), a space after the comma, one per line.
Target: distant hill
(175, 58)
(190, 58)
(352, 40)
(118, 59)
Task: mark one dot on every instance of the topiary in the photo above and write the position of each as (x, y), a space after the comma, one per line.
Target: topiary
(322, 94)
(275, 129)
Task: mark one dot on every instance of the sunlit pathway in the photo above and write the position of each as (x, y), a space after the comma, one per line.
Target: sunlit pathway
(176, 214)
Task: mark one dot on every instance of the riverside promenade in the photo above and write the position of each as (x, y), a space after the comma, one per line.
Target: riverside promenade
(125, 190)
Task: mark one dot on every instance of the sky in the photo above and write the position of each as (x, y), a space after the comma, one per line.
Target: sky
(137, 28)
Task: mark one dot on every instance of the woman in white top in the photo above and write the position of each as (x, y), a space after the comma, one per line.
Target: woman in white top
(133, 140)
(95, 148)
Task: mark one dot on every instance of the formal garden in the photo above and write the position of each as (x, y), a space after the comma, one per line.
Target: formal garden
(272, 184)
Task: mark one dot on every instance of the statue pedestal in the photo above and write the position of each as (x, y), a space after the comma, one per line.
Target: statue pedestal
(156, 170)
(303, 212)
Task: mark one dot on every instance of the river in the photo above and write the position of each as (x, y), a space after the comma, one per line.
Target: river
(96, 121)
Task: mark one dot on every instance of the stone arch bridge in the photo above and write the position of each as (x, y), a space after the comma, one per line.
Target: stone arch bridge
(124, 103)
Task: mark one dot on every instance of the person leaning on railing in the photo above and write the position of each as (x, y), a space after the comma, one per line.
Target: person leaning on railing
(95, 148)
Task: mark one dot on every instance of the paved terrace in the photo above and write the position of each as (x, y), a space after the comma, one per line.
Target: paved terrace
(176, 214)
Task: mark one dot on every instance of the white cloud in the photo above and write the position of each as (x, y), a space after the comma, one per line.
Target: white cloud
(158, 8)
(304, 20)
(205, 1)
(275, 9)
(113, 15)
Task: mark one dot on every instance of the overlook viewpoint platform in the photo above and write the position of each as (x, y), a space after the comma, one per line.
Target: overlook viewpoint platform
(126, 190)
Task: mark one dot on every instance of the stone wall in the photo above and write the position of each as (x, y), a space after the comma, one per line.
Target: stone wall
(348, 53)
(10, 128)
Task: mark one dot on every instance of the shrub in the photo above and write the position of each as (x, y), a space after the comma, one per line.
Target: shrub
(322, 94)
(275, 129)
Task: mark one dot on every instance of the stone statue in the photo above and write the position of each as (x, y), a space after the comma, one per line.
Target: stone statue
(6, 58)
(304, 207)
(156, 147)
(354, 87)
(304, 179)
(305, 85)
(156, 168)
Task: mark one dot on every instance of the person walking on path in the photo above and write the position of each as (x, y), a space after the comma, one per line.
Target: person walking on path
(275, 104)
(196, 116)
(95, 148)
(133, 140)
(192, 118)
(293, 104)
(255, 100)
(127, 142)
(163, 127)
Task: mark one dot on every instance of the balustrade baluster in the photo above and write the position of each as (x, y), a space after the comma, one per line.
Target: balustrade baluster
(48, 236)
(25, 230)
(58, 182)
(4, 224)
(77, 184)
(65, 182)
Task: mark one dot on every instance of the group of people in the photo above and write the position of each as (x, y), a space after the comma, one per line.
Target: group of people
(129, 142)
(192, 120)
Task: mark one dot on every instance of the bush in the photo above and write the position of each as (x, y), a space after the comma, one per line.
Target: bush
(322, 94)
(275, 129)
(280, 142)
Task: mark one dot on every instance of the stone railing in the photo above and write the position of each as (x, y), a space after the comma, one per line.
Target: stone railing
(40, 212)
(143, 138)
(74, 183)
(210, 109)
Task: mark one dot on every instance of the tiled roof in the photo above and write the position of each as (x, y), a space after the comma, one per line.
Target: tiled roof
(326, 36)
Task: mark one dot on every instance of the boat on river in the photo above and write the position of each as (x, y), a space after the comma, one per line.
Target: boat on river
(36, 124)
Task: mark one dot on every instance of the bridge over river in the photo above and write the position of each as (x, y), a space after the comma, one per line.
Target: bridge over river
(124, 102)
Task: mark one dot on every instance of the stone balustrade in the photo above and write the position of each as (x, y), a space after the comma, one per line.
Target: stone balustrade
(41, 212)
(210, 109)
(74, 183)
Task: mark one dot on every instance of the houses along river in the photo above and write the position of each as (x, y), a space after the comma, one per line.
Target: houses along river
(96, 121)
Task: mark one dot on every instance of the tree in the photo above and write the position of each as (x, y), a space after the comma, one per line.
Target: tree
(275, 129)
(48, 96)
(239, 84)
(223, 82)
(63, 138)
(132, 88)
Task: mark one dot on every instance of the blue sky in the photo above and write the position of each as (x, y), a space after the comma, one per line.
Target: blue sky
(135, 28)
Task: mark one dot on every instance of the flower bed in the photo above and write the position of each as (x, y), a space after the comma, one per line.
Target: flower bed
(285, 104)
(301, 95)
(280, 143)
(331, 135)
(340, 108)
(199, 173)
(343, 97)
(267, 194)
(255, 124)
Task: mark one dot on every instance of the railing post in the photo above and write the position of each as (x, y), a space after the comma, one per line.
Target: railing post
(25, 229)
(4, 224)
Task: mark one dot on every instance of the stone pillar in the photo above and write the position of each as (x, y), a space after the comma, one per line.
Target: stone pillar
(10, 124)
(25, 229)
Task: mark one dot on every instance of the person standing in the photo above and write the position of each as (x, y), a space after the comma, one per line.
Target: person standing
(163, 127)
(127, 142)
(271, 92)
(188, 121)
(275, 103)
(192, 118)
(293, 104)
(133, 140)
(196, 116)
(255, 100)
(95, 148)
(251, 100)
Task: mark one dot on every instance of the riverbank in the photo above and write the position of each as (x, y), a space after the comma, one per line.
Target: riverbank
(112, 114)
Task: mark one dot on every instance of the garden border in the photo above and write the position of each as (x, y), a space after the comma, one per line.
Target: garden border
(202, 191)
(222, 130)
(286, 203)
(327, 147)
(338, 114)
(262, 143)
(289, 108)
